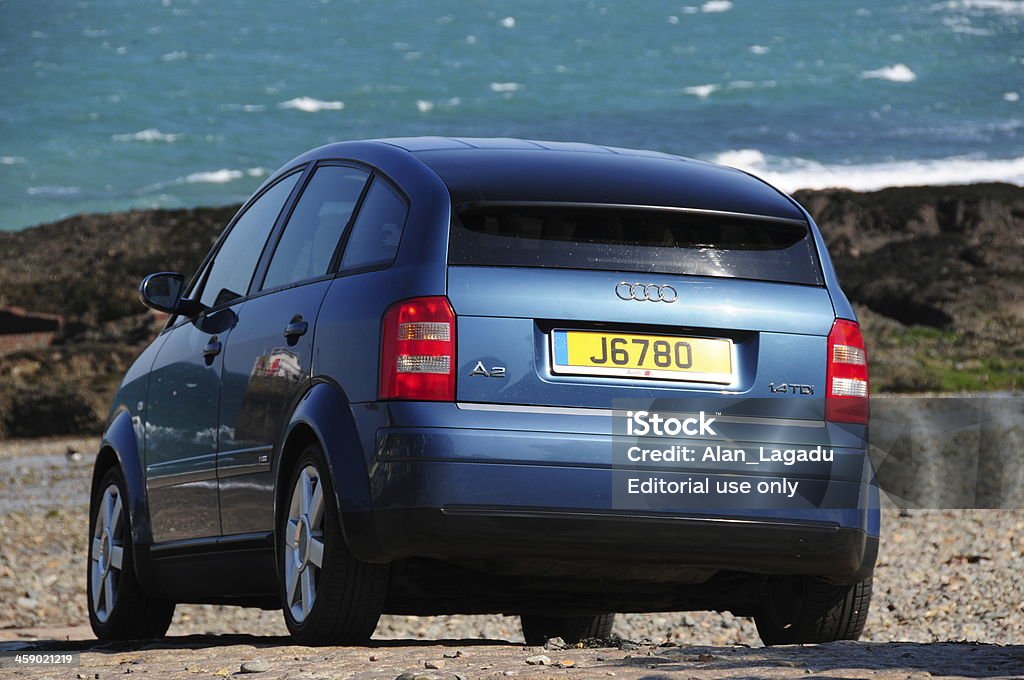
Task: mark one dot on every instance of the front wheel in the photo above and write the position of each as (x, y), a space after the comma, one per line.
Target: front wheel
(329, 597)
(539, 629)
(807, 610)
(119, 609)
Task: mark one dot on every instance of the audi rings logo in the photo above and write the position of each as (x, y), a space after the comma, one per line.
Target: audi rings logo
(646, 291)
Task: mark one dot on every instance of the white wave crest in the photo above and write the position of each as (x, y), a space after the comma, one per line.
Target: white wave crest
(702, 91)
(249, 108)
(963, 26)
(11, 160)
(745, 159)
(506, 87)
(310, 105)
(147, 135)
(222, 176)
(424, 106)
(790, 174)
(53, 191)
(705, 91)
(712, 6)
(998, 6)
(897, 73)
(508, 22)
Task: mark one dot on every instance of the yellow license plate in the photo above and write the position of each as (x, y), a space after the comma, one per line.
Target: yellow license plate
(628, 355)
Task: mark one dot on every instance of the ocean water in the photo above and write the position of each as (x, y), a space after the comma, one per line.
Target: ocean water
(113, 104)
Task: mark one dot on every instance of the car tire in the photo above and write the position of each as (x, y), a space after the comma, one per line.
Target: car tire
(329, 597)
(811, 610)
(539, 629)
(119, 609)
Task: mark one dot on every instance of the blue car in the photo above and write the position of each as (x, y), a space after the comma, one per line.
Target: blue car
(555, 380)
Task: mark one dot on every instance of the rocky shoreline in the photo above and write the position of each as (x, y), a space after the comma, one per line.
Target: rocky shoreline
(936, 274)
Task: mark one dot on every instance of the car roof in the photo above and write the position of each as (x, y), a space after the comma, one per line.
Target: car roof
(506, 170)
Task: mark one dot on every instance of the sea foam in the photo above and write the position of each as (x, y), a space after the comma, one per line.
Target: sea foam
(53, 191)
(702, 91)
(310, 105)
(790, 174)
(506, 87)
(147, 135)
(222, 176)
(712, 6)
(962, 25)
(897, 73)
(998, 6)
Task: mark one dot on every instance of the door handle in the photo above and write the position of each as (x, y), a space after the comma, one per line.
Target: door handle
(212, 348)
(296, 329)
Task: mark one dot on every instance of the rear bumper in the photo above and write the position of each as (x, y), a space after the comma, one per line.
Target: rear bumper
(615, 546)
(539, 494)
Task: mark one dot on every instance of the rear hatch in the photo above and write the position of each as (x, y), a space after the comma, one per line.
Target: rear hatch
(581, 305)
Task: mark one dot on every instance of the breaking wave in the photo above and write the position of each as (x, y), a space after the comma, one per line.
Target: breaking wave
(790, 174)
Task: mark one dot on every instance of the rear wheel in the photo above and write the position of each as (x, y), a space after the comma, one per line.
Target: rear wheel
(119, 609)
(810, 610)
(539, 629)
(329, 596)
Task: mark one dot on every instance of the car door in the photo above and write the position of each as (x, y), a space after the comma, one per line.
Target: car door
(181, 416)
(268, 357)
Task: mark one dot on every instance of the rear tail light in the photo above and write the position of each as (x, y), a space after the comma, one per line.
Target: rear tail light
(846, 400)
(417, 354)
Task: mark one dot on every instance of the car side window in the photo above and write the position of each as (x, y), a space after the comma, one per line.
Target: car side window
(378, 228)
(235, 262)
(315, 226)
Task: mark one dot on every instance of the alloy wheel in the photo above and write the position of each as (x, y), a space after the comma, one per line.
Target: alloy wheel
(107, 553)
(304, 543)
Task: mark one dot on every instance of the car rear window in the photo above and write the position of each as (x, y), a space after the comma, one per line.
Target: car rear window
(662, 241)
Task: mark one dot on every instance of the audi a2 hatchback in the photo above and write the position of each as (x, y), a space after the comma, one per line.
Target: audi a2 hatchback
(553, 380)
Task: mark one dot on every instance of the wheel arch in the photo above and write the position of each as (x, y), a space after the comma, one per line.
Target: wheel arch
(323, 416)
(119, 446)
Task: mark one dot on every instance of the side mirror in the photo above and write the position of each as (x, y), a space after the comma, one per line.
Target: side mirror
(162, 292)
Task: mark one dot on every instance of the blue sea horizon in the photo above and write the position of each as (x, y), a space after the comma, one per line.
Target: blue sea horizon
(120, 104)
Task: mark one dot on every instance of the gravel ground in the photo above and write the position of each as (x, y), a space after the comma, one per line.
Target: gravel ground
(478, 660)
(942, 575)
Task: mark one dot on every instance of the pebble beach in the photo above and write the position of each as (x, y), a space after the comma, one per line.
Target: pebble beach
(954, 575)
